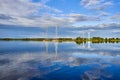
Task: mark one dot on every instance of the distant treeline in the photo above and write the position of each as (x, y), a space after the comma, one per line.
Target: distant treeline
(37, 39)
(78, 40)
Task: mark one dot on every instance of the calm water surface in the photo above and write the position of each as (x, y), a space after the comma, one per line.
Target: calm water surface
(21, 60)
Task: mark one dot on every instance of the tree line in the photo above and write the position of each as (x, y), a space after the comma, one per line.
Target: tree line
(78, 40)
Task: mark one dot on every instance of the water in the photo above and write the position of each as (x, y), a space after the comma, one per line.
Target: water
(21, 60)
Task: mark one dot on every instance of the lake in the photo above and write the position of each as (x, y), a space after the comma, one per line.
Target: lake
(29, 60)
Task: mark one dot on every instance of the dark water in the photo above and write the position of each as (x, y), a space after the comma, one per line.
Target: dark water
(59, 61)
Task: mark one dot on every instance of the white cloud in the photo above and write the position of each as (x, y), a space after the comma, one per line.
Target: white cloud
(82, 17)
(27, 13)
(102, 26)
(103, 14)
(95, 4)
(109, 25)
(116, 16)
(18, 7)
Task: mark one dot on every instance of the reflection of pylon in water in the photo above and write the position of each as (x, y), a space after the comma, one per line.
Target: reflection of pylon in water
(56, 43)
(89, 40)
(46, 40)
(46, 47)
(56, 49)
(89, 44)
(83, 41)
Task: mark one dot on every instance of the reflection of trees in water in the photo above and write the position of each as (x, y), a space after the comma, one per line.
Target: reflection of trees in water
(94, 40)
(82, 41)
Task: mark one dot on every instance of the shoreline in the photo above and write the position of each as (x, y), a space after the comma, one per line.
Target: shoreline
(78, 40)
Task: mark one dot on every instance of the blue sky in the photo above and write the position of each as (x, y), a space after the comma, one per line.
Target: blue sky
(95, 16)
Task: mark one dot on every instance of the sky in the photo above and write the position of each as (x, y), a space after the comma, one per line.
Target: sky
(29, 18)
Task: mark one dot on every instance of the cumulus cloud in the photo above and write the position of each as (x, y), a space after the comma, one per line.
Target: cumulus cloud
(38, 14)
(18, 7)
(95, 4)
(26, 13)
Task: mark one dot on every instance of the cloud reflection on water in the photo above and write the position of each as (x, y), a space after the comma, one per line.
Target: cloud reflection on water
(68, 64)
